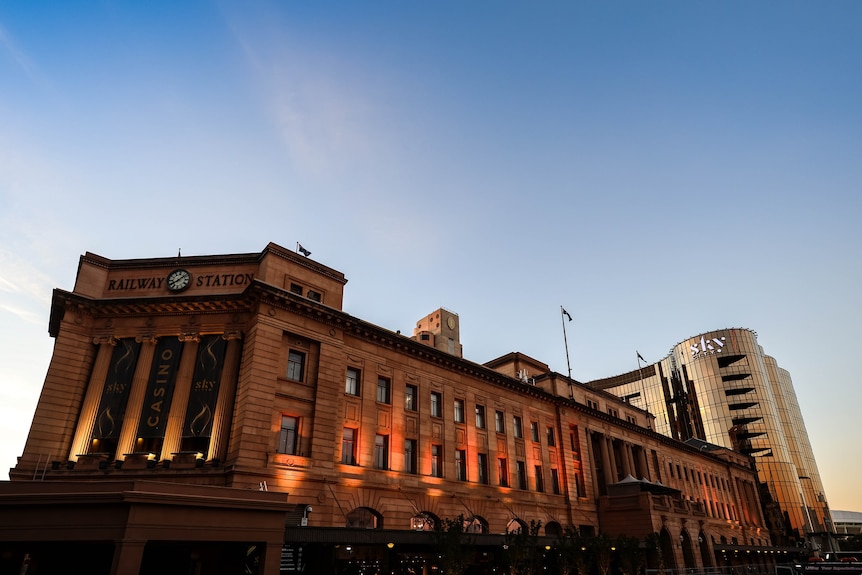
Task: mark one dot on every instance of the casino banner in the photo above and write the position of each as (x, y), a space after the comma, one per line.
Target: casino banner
(205, 386)
(115, 394)
(160, 388)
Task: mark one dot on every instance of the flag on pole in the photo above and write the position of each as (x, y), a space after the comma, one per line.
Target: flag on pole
(640, 357)
(565, 313)
(302, 250)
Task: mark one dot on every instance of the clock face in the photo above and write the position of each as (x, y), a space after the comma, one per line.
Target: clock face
(178, 280)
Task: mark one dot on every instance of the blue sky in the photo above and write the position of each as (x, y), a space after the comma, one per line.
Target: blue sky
(661, 169)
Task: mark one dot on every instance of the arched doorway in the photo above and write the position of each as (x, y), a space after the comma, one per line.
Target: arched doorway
(687, 551)
(553, 529)
(666, 546)
(705, 555)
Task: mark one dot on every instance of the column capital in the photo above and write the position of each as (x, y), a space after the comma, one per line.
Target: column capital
(105, 339)
(190, 336)
(233, 334)
(147, 338)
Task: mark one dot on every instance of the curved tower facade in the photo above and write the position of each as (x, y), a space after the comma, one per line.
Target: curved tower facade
(719, 386)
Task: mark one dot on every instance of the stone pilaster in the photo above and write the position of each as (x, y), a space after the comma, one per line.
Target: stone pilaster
(87, 418)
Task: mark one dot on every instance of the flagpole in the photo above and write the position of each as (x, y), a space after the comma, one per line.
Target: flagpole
(564, 313)
(643, 389)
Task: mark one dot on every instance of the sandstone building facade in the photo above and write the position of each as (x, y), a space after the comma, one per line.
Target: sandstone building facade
(218, 412)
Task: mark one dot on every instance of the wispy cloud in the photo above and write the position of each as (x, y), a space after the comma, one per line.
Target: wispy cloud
(9, 47)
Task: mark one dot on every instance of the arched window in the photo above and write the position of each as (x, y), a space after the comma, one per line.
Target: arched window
(475, 524)
(365, 518)
(553, 529)
(516, 526)
(424, 521)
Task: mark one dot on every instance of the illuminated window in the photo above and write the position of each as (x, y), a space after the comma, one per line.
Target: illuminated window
(460, 465)
(480, 417)
(500, 421)
(437, 460)
(348, 446)
(381, 452)
(353, 379)
(410, 456)
(503, 471)
(288, 434)
(522, 474)
(436, 404)
(411, 394)
(295, 365)
(574, 439)
(483, 468)
(459, 411)
(382, 390)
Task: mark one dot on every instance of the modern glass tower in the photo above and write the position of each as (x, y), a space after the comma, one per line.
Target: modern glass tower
(721, 387)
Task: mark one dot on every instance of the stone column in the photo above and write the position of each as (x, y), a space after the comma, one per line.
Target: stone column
(609, 468)
(128, 555)
(625, 459)
(87, 418)
(180, 401)
(644, 463)
(227, 390)
(126, 444)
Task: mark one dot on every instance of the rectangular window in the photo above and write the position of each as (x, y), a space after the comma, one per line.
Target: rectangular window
(534, 431)
(540, 479)
(436, 404)
(383, 390)
(575, 439)
(579, 484)
(353, 379)
(381, 452)
(437, 460)
(287, 435)
(348, 446)
(555, 481)
(592, 404)
(480, 416)
(517, 427)
(410, 455)
(459, 411)
(503, 471)
(552, 440)
(313, 295)
(295, 365)
(500, 421)
(460, 465)
(522, 475)
(483, 468)
(411, 394)
(296, 288)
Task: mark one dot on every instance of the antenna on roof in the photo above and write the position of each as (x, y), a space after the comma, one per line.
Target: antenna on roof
(179, 252)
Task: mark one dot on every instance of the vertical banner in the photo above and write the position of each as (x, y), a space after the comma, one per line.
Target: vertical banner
(115, 394)
(205, 386)
(160, 388)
